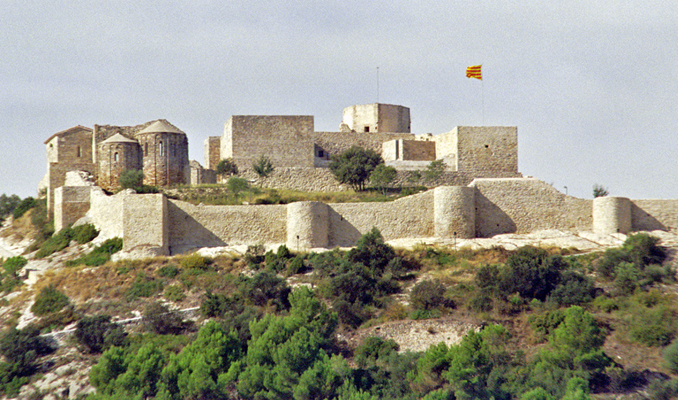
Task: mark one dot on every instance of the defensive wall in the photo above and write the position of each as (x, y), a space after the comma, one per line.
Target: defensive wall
(151, 224)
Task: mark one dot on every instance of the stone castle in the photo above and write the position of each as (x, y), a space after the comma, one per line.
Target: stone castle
(299, 154)
(481, 194)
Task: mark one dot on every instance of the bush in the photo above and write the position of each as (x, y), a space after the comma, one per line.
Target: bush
(174, 293)
(382, 177)
(84, 233)
(237, 185)
(227, 167)
(263, 166)
(354, 166)
(670, 354)
(481, 303)
(372, 349)
(159, 319)
(25, 205)
(427, 295)
(169, 271)
(97, 333)
(56, 243)
(195, 261)
(434, 170)
(144, 286)
(13, 265)
(49, 300)
(573, 289)
(21, 349)
(100, 254)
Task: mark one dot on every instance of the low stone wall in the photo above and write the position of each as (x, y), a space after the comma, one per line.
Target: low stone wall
(649, 215)
(510, 205)
(409, 217)
(191, 227)
(151, 224)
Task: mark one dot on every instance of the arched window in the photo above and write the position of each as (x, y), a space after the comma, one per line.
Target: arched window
(115, 157)
(160, 148)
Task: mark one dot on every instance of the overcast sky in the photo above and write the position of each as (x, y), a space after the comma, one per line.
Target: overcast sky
(591, 85)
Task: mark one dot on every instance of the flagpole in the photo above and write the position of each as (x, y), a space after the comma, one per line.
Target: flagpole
(482, 95)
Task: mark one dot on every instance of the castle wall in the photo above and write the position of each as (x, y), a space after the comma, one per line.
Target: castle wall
(286, 140)
(212, 152)
(486, 150)
(336, 142)
(56, 177)
(408, 150)
(191, 226)
(145, 227)
(106, 212)
(408, 217)
(522, 205)
(649, 215)
(70, 204)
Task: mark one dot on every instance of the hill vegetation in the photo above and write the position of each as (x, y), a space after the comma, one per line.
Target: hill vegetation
(550, 323)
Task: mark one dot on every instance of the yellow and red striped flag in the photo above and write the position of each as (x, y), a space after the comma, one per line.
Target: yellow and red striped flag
(474, 72)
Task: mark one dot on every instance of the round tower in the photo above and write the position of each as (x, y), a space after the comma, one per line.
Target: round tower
(164, 153)
(117, 154)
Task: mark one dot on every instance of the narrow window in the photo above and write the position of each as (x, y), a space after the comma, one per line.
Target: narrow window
(321, 153)
(115, 157)
(145, 149)
(160, 148)
(79, 151)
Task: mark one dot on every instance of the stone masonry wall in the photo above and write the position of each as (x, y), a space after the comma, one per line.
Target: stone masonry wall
(487, 150)
(212, 152)
(336, 142)
(409, 217)
(648, 215)
(286, 140)
(192, 227)
(522, 205)
(70, 204)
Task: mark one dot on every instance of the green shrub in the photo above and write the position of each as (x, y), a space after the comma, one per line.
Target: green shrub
(25, 205)
(100, 254)
(169, 271)
(56, 243)
(97, 333)
(49, 300)
(670, 354)
(296, 266)
(425, 314)
(84, 233)
(144, 286)
(481, 302)
(427, 295)
(13, 265)
(174, 293)
(159, 319)
(573, 289)
(653, 326)
(195, 261)
(372, 349)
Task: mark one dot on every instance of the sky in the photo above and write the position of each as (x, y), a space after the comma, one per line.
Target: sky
(591, 85)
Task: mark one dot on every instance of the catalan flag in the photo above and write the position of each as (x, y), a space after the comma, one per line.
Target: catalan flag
(474, 72)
